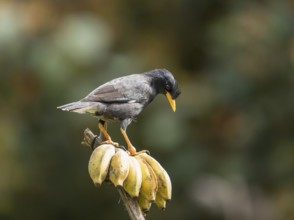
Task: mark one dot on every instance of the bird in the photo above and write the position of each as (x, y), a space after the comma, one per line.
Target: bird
(123, 99)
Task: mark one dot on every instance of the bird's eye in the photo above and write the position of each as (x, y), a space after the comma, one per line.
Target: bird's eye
(167, 87)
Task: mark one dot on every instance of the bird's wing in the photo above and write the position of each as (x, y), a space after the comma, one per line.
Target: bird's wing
(107, 93)
(127, 89)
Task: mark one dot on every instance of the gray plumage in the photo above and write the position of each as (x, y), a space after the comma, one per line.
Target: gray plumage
(124, 98)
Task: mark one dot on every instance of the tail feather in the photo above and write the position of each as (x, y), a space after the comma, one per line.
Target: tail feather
(79, 107)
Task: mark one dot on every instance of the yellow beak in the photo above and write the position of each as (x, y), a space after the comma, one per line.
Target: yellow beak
(171, 101)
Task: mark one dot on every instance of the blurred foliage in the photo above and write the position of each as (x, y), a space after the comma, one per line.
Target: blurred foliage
(229, 148)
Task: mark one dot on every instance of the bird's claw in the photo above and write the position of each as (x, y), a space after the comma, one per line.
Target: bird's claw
(134, 152)
(143, 151)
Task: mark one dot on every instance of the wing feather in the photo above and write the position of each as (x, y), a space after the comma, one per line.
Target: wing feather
(127, 89)
(106, 93)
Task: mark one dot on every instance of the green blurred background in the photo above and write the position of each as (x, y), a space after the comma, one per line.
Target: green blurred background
(229, 148)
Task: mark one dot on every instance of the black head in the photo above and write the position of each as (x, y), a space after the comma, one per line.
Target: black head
(165, 83)
(170, 84)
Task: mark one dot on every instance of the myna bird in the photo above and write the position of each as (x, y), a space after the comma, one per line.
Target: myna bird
(124, 98)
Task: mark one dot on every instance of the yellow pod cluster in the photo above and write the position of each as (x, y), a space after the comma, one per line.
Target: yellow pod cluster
(141, 176)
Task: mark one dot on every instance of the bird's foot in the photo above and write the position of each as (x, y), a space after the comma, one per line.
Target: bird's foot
(143, 151)
(132, 151)
(110, 142)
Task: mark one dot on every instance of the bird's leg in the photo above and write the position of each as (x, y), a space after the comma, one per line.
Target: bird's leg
(108, 140)
(131, 148)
